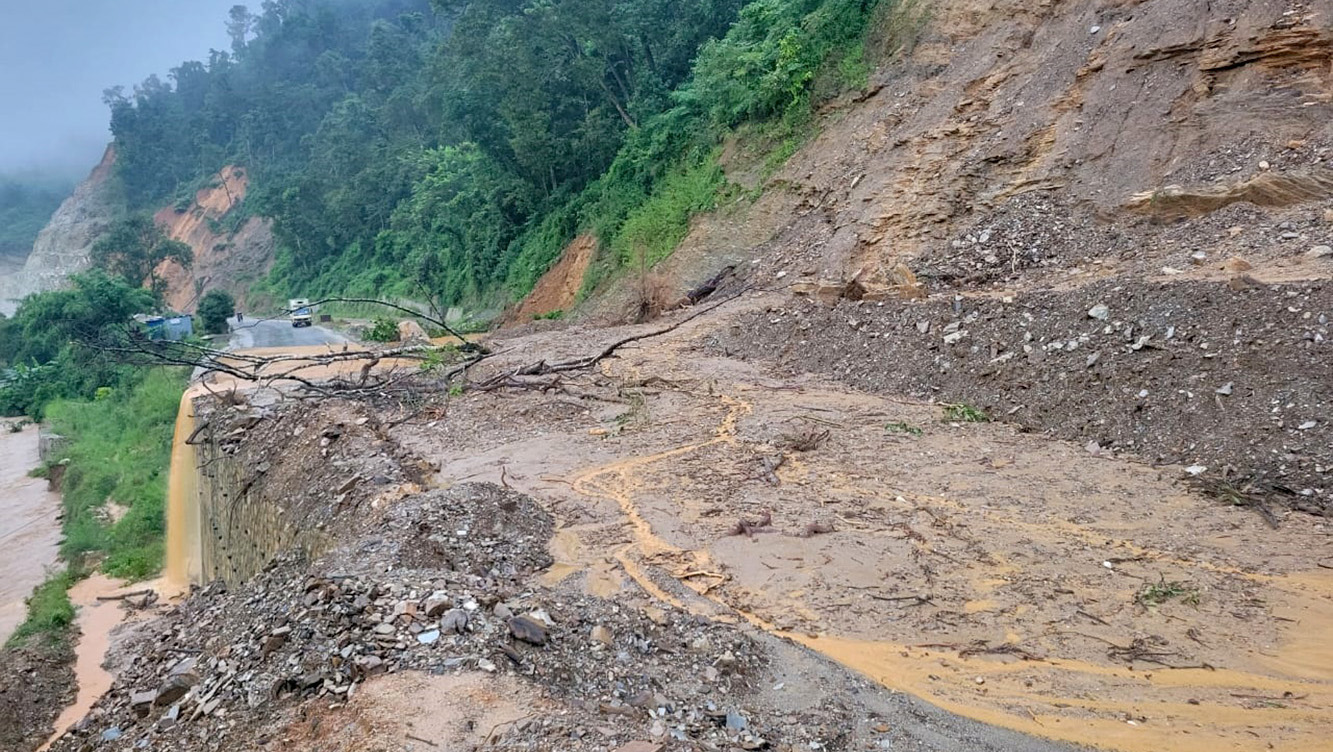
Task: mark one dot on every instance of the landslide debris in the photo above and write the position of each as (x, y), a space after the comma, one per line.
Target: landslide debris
(35, 677)
(225, 669)
(1234, 381)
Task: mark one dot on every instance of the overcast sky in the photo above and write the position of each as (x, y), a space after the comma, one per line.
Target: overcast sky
(56, 57)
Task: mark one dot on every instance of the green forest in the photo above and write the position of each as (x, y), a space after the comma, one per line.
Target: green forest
(448, 150)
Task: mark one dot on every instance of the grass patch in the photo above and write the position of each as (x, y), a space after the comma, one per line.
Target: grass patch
(50, 612)
(653, 229)
(1160, 592)
(901, 427)
(964, 413)
(119, 450)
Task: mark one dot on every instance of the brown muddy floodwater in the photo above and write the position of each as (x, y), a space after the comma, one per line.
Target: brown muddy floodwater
(29, 528)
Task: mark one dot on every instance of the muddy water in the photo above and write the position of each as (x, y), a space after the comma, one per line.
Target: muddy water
(183, 563)
(29, 528)
(96, 620)
(1275, 690)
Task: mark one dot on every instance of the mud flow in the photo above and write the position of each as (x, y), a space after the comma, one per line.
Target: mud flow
(1009, 578)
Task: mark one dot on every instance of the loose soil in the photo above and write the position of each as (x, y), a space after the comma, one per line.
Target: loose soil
(36, 680)
(999, 574)
(558, 289)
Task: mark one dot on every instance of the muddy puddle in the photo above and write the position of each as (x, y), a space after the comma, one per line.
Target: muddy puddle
(1004, 577)
(96, 620)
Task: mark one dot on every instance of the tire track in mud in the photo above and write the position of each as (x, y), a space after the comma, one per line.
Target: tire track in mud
(1294, 703)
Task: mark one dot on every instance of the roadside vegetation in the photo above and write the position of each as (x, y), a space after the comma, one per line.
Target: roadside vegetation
(448, 151)
(115, 484)
(118, 420)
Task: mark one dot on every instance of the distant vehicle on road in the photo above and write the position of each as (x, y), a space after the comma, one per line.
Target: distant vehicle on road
(300, 311)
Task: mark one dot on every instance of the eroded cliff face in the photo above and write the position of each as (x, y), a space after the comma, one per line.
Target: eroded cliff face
(1012, 142)
(63, 246)
(223, 260)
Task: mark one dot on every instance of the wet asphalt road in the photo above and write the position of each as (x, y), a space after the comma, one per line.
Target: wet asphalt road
(278, 333)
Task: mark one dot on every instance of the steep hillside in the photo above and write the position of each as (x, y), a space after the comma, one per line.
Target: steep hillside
(225, 259)
(1021, 141)
(62, 247)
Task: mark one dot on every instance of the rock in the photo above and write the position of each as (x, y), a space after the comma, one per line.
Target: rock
(142, 702)
(1100, 312)
(1198, 257)
(429, 638)
(437, 603)
(1237, 264)
(1320, 251)
(1264, 165)
(1225, 389)
(528, 630)
(384, 628)
(639, 747)
(111, 734)
(454, 622)
(603, 635)
(186, 665)
(486, 665)
(1093, 448)
(954, 338)
(1196, 469)
(736, 721)
(1307, 425)
(371, 664)
(411, 331)
(175, 687)
(502, 611)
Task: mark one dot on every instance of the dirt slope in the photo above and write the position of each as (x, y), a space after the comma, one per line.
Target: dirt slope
(224, 260)
(558, 289)
(63, 246)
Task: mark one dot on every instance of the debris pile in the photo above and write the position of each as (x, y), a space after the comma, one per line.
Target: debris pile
(442, 584)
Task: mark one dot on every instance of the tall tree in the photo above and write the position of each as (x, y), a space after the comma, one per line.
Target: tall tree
(135, 248)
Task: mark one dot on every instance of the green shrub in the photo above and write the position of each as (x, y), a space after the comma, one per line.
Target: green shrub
(383, 330)
(214, 309)
(964, 413)
(652, 231)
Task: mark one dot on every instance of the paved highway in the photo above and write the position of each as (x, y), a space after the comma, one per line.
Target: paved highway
(278, 333)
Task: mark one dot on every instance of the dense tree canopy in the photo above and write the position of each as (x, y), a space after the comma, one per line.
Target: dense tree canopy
(44, 348)
(449, 148)
(214, 309)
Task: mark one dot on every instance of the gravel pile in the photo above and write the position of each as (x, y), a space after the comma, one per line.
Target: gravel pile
(1233, 381)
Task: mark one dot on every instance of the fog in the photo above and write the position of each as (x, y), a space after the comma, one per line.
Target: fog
(57, 56)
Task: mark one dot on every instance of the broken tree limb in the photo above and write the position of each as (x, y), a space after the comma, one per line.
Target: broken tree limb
(123, 596)
(543, 368)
